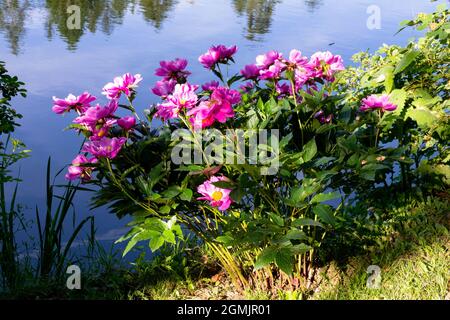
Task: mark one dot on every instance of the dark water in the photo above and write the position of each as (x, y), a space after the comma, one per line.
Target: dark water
(121, 36)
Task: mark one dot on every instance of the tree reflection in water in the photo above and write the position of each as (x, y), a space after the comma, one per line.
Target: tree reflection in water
(105, 15)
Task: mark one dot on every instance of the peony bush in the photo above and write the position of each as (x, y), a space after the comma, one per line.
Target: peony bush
(337, 136)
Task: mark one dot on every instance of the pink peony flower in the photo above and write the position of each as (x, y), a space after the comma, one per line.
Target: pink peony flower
(105, 148)
(78, 171)
(264, 61)
(210, 86)
(79, 104)
(283, 89)
(296, 58)
(164, 88)
(217, 197)
(167, 110)
(217, 54)
(325, 65)
(184, 96)
(93, 115)
(303, 76)
(374, 102)
(127, 123)
(273, 72)
(250, 71)
(174, 70)
(101, 130)
(124, 84)
(218, 108)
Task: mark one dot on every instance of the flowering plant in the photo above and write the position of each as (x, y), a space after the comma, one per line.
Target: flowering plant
(263, 162)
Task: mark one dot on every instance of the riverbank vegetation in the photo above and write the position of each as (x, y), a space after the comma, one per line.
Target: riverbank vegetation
(348, 183)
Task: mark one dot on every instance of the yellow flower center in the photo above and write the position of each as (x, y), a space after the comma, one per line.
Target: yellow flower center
(182, 102)
(217, 195)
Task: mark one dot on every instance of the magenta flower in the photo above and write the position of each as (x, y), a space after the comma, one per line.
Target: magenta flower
(273, 72)
(283, 89)
(247, 86)
(93, 115)
(124, 84)
(217, 54)
(218, 108)
(79, 104)
(210, 86)
(174, 70)
(101, 130)
(127, 123)
(264, 61)
(374, 102)
(304, 76)
(250, 71)
(296, 58)
(105, 148)
(184, 96)
(322, 118)
(164, 88)
(167, 110)
(325, 65)
(217, 197)
(78, 171)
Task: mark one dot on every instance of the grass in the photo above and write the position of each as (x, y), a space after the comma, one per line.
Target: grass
(414, 266)
(414, 262)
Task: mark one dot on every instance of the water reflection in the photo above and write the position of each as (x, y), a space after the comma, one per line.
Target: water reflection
(259, 16)
(105, 15)
(156, 11)
(313, 5)
(12, 22)
(98, 14)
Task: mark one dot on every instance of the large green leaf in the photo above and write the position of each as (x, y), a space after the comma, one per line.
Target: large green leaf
(325, 214)
(322, 197)
(407, 59)
(424, 117)
(266, 257)
(309, 151)
(284, 260)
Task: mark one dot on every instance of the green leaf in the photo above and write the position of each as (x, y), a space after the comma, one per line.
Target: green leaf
(398, 97)
(424, 117)
(322, 197)
(301, 222)
(279, 221)
(284, 260)
(325, 214)
(168, 236)
(300, 249)
(172, 192)
(295, 234)
(309, 151)
(266, 257)
(407, 59)
(130, 245)
(186, 195)
(226, 240)
(156, 243)
(165, 209)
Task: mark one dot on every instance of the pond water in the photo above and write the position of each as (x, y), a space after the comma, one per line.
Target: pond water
(119, 36)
